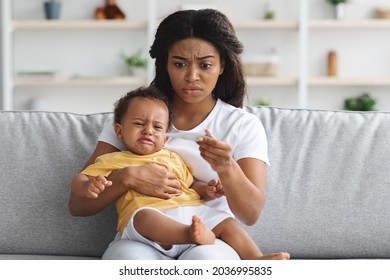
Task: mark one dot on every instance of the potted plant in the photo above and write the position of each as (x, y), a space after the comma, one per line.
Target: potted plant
(134, 62)
(52, 9)
(263, 102)
(268, 12)
(364, 102)
(339, 8)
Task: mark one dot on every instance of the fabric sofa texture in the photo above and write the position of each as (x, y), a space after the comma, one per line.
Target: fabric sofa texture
(328, 185)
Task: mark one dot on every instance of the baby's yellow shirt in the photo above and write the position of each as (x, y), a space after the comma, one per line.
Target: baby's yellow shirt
(131, 201)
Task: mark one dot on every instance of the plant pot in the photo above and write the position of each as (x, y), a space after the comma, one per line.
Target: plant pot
(52, 10)
(339, 11)
(137, 71)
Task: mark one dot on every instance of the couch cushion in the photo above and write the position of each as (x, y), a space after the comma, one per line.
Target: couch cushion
(40, 152)
(45, 257)
(328, 184)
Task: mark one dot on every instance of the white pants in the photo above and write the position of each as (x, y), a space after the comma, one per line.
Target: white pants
(210, 216)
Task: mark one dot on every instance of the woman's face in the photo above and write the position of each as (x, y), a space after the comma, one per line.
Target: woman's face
(194, 66)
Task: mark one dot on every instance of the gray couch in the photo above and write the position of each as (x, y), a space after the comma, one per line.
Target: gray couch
(328, 185)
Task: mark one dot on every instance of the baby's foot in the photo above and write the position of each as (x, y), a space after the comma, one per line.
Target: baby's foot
(276, 256)
(200, 233)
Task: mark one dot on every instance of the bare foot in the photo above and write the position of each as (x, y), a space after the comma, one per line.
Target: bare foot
(276, 256)
(200, 233)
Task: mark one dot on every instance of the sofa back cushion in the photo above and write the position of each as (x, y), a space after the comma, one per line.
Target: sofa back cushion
(40, 153)
(328, 184)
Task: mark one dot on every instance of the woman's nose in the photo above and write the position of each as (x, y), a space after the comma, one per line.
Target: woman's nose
(192, 74)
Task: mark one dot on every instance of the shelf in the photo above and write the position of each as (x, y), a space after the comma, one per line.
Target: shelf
(297, 26)
(77, 24)
(271, 81)
(265, 24)
(350, 24)
(330, 81)
(133, 81)
(43, 82)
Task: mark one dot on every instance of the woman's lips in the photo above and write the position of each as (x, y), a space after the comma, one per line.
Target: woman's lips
(191, 90)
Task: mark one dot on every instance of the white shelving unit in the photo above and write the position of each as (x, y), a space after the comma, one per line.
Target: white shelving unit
(82, 82)
(263, 24)
(368, 24)
(350, 24)
(302, 80)
(6, 38)
(277, 26)
(78, 25)
(329, 81)
(11, 27)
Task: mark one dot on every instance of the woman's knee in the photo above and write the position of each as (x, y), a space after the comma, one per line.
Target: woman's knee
(131, 250)
(218, 251)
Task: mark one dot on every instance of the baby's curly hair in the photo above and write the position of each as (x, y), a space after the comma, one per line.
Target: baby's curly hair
(150, 92)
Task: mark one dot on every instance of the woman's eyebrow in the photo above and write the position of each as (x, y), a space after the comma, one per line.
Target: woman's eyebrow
(199, 58)
(205, 57)
(179, 57)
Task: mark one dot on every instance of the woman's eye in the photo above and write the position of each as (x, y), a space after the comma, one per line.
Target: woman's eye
(179, 64)
(205, 65)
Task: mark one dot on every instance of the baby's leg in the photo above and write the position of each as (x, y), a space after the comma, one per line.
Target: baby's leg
(234, 235)
(166, 231)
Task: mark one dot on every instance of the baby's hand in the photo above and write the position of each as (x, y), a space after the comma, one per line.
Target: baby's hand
(96, 185)
(214, 189)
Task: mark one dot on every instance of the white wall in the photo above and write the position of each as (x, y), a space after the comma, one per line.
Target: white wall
(1, 61)
(96, 53)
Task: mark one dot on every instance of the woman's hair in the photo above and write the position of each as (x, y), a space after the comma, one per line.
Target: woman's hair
(214, 27)
(150, 92)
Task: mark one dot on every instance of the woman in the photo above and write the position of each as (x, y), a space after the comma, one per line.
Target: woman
(198, 66)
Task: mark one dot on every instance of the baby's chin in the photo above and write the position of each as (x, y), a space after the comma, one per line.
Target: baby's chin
(145, 150)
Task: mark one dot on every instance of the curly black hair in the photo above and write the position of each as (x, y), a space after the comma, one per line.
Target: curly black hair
(150, 92)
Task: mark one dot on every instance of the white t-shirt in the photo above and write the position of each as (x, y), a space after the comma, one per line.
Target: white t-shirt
(241, 129)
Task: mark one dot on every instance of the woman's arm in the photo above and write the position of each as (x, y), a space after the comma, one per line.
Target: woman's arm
(150, 179)
(83, 206)
(244, 181)
(246, 190)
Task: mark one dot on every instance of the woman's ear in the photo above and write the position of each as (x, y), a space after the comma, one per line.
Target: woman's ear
(222, 68)
(118, 130)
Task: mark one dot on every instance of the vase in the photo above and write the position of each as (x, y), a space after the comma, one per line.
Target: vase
(52, 10)
(339, 11)
(137, 71)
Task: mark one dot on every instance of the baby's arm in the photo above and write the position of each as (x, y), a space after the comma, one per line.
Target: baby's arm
(212, 190)
(91, 187)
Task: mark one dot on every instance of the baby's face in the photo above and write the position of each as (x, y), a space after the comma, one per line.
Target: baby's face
(143, 119)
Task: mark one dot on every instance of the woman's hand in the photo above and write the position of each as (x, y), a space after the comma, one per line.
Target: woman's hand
(215, 152)
(244, 181)
(150, 179)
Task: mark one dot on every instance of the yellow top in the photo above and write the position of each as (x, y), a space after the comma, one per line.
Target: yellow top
(131, 201)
